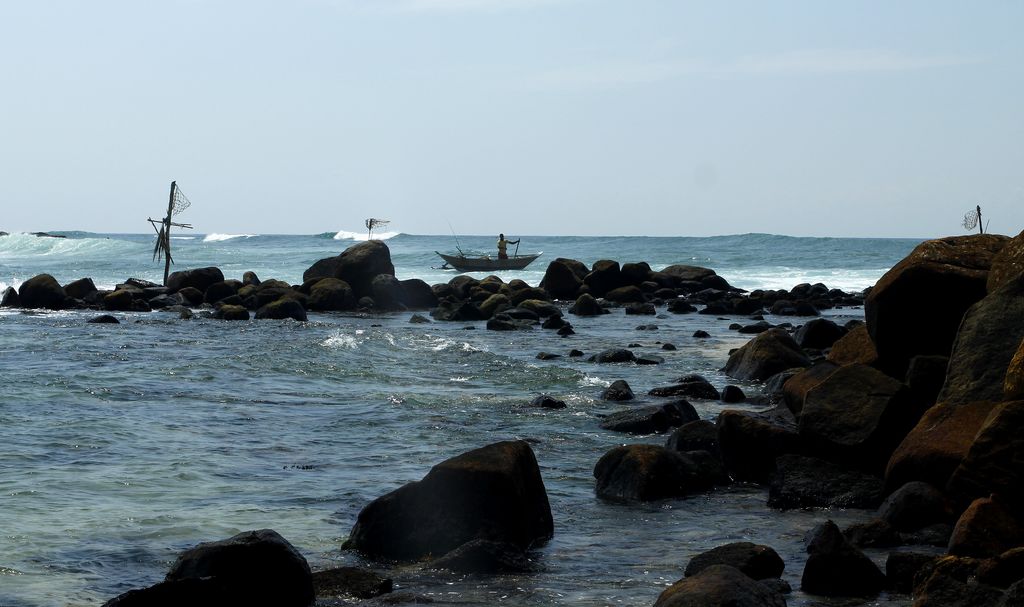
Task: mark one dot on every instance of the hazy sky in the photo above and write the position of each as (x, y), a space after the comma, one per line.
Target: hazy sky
(590, 117)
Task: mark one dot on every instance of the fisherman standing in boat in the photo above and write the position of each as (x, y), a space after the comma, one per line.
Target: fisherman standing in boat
(503, 246)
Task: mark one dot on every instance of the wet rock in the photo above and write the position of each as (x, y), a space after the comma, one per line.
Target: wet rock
(547, 356)
(795, 389)
(750, 442)
(555, 322)
(837, 568)
(358, 265)
(949, 582)
(902, 566)
(668, 347)
(765, 355)
(417, 294)
(493, 493)
(615, 355)
(649, 472)
(701, 334)
(916, 307)
(651, 419)
(546, 401)
(733, 394)
(858, 415)
(419, 319)
(230, 312)
(756, 328)
(345, 582)
(619, 390)
(694, 386)
(42, 291)
(282, 309)
(586, 305)
(988, 337)
(10, 299)
(875, 533)
(756, 561)
(119, 300)
(808, 482)
(988, 528)
(331, 294)
(915, 505)
(627, 294)
(190, 296)
(680, 306)
(854, 347)
(80, 289)
(649, 359)
(697, 435)
(104, 319)
(198, 278)
(457, 312)
(387, 292)
(719, 585)
(562, 280)
(818, 334)
(1004, 570)
(486, 557)
(220, 290)
(995, 461)
(937, 444)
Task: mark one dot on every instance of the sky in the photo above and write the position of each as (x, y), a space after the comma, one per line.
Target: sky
(528, 117)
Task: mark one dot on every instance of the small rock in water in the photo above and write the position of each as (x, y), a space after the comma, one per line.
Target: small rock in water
(733, 394)
(547, 401)
(647, 328)
(419, 319)
(547, 356)
(566, 331)
(668, 347)
(104, 319)
(649, 359)
(701, 334)
(575, 353)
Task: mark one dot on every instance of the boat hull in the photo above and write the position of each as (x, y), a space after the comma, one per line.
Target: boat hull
(487, 264)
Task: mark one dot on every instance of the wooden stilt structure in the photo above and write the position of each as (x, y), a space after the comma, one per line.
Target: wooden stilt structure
(176, 203)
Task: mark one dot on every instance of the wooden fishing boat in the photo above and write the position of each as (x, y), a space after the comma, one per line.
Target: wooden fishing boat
(487, 263)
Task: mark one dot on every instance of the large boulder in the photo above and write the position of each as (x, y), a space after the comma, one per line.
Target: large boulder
(387, 292)
(80, 289)
(950, 581)
(750, 442)
(915, 505)
(650, 472)
(698, 435)
(418, 294)
(795, 389)
(651, 419)
(916, 307)
(809, 482)
(858, 415)
(198, 278)
(756, 561)
(1007, 264)
(492, 493)
(604, 276)
(767, 354)
(837, 568)
(937, 444)
(854, 347)
(10, 299)
(282, 309)
(719, 585)
(586, 305)
(42, 291)
(357, 265)
(988, 338)
(562, 279)
(988, 528)
(995, 461)
(331, 294)
(251, 568)
(818, 334)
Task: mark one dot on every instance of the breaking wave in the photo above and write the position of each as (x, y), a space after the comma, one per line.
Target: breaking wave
(223, 237)
(363, 236)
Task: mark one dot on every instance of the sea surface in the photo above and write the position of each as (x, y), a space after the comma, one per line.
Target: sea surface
(121, 445)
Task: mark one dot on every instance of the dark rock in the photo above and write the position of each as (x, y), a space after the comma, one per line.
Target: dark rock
(161, 302)
(120, 300)
(854, 347)
(1007, 264)
(649, 472)
(809, 482)
(458, 312)
(680, 306)
(250, 278)
(10, 299)
(331, 294)
(486, 557)
(916, 307)
(719, 585)
(282, 309)
(605, 276)
(1013, 385)
(765, 355)
(358, 265)
(616, 355)
(915, 505)
(995, 460)
(733, 394)
(561, 279)
(750, 442)
(387, 292)
(538, 309)
(198, 278)
(642, 309)
(575, 353)
(875, 533)
(794, 390)
(668, 347)
(925, 377)
(546, 401)
(989, 336)
(504, 323)
(230, 312)
(649, 359)
(586, 305)
(80, 289)
(205, 592)
(566, 331)
(494, 493)
(701, 334)
(418, 319)
(756, 329)
(554, 322)
(818, 334)
(937, 444)
(1003, 570)
(635, 273)
(988, 528)
(901, 567)
(104, 319)
(345, 582)
(42, 291)
(190, 295)
(619, 390)
(836, 568)
(627, 294)
(651, 419)
(417, 294)
(949, 582)
(693, 386)
(858, 415)
(698, 435)
(547, 356)
(220, 290)
(757, 561)
(937, 534)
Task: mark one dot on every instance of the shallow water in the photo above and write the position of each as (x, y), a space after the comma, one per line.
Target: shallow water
(125, 444)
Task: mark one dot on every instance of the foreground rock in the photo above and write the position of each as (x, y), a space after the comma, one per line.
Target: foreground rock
(719, 585)
(493, 493)
(756, 561)
(251, 568)
(358, 265)
(349, 582)
(650, 472)
(769, 353)
(836, 568)
(42, 291)
(995, 461)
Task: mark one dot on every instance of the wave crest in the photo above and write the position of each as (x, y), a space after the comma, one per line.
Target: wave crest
(223, 237)
(363, 236)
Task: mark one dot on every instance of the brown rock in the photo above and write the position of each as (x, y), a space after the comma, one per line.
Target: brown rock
(1013, 385)
(937, 444)
(988, 528)
(719, 585)
(750, 442)
(1007, 264)
(854, 347)
(995, 461)
(795, 389)
(765, 355)
(916, 307)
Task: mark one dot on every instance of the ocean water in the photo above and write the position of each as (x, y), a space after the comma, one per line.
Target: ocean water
(124, 444)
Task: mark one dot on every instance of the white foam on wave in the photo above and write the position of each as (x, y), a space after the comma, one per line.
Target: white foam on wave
(363, 236)
(787, 278)
(20, 245)
(223, 237)
(340, 341)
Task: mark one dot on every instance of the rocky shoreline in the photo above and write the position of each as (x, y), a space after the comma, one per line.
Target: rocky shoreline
(915, 413)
